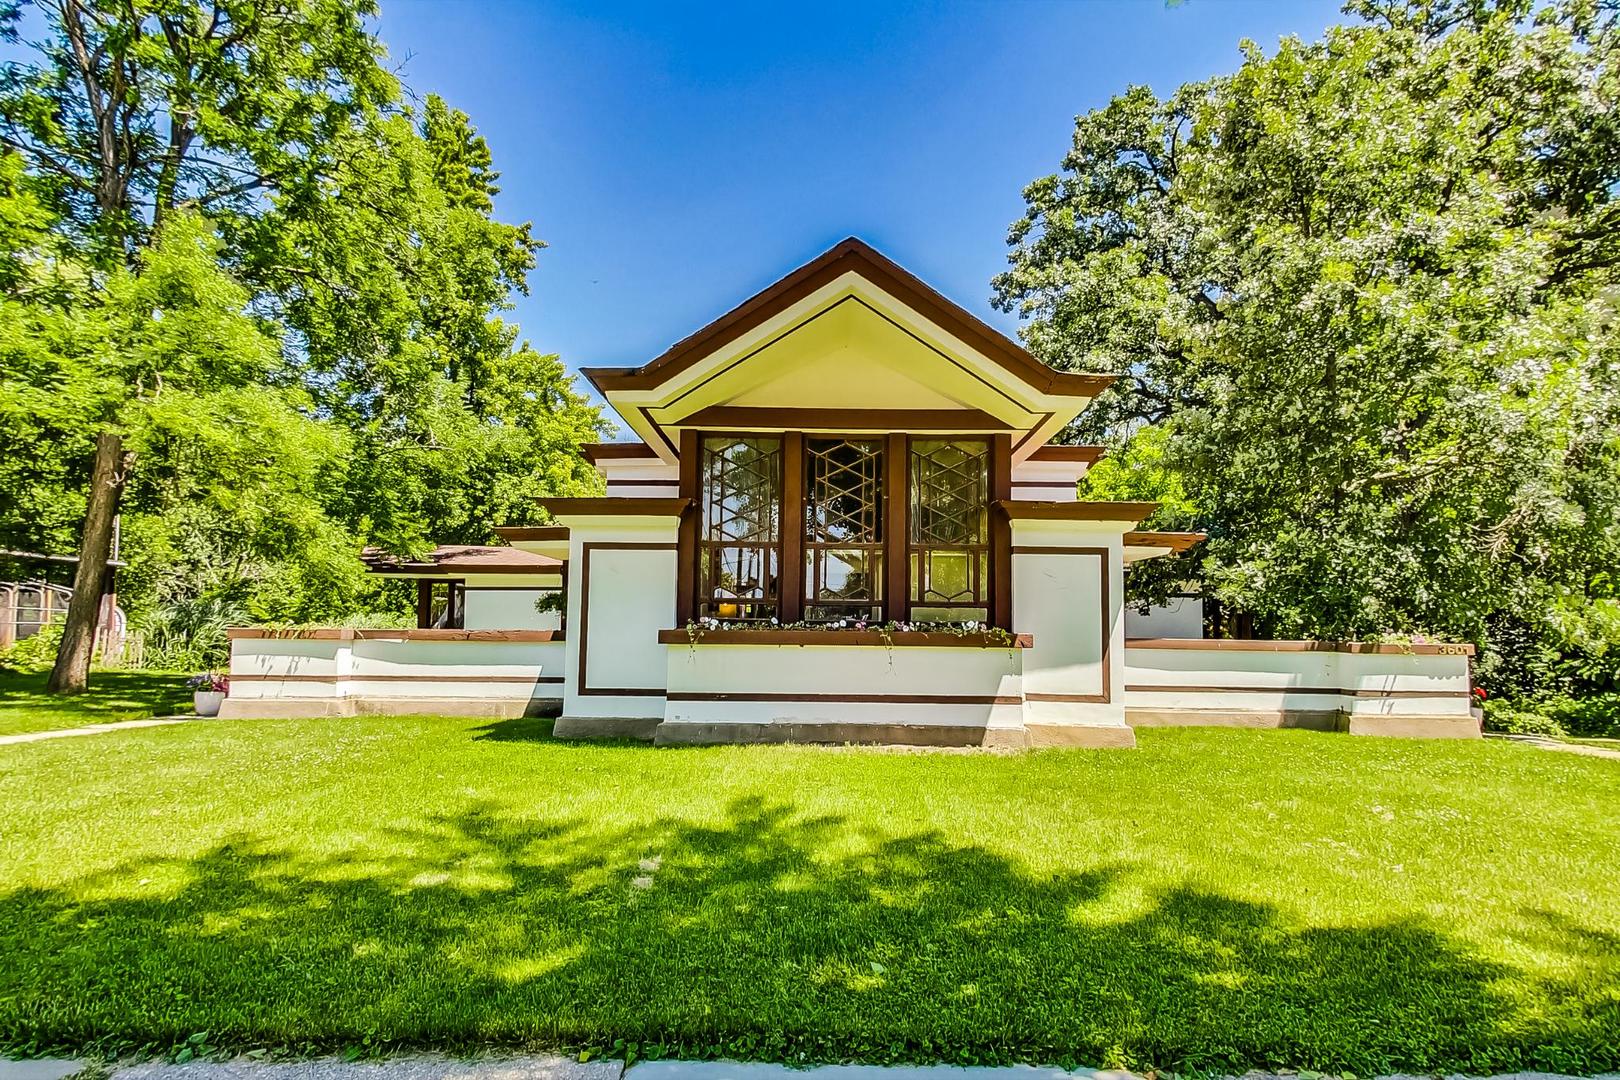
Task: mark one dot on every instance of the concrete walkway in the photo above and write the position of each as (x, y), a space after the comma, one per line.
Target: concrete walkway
(541, 1067)
(93, 729)
(1543, 743)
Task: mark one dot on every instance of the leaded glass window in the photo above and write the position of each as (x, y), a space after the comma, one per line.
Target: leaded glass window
(949, 542)
(739, 548)
(843, 529)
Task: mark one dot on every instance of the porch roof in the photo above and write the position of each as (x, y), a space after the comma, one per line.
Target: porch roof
(1145, 544)
(455, 560)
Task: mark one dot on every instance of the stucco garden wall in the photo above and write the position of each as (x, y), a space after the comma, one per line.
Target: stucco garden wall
(1374, 689)
(342, 672)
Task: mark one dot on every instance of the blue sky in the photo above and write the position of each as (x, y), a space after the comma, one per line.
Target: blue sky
(677, 158)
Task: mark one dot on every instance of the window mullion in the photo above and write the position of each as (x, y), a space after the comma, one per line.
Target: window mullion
(790, 596)
(896, 590)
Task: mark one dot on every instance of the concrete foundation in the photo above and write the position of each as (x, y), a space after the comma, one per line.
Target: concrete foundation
(296, 708)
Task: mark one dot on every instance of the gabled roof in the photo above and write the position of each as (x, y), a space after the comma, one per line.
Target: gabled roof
(964, 375)
(851, 254)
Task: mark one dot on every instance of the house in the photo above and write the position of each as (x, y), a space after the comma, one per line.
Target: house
(843, 520)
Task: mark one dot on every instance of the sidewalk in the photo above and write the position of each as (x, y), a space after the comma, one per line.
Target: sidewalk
(93, 729)
(426, 1067)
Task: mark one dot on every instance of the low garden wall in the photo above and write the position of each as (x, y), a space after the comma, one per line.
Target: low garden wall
(341, 672)
(1367, 689)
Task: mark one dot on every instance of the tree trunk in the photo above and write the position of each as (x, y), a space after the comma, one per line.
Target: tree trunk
(71, 675)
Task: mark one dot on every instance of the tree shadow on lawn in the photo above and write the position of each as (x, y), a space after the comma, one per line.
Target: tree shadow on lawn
(113, 695)
(767, 935)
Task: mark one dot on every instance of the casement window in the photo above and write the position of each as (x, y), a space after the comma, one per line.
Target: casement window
(843, 529)
(740, 532)
(949, 530)
(827, 527)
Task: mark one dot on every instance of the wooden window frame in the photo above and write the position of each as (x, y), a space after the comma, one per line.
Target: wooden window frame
(896, 603)
(884, 548)
(703, 546)
(996, 577)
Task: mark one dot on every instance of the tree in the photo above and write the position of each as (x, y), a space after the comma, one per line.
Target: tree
(364, 237)
(136, 110)
(391, 277)
(1365, 288)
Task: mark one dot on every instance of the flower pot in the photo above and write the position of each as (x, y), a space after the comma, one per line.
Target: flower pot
(207, 702)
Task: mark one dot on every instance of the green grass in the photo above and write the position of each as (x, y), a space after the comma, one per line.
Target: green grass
(114, 695)
(1215, 899)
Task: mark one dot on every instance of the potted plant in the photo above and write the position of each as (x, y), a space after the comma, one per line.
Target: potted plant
(208, 692)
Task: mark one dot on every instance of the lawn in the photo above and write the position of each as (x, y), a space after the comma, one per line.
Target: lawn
(114, 695)
(1215, 899)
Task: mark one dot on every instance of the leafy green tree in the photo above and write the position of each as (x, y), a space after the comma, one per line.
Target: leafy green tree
(364, 239)
(1366, 287)
(391, 279)
(133, 111)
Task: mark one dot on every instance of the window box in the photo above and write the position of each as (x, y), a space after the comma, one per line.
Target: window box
(934, 639)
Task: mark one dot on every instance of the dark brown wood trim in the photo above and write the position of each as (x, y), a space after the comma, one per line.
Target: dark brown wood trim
(750, 419)
(1106, 578)
(790, 580)
(686, 537)
(343, 633)
(547, 587)
(1255, 645)
(532, 533)
(1340, 691)
(1060, 483)
(563, 614)
(1034, 429)
(1086, 699)
(607, 506)
(1049, 510)
(456, 573)
(1087, 454)
(896, 539)
(885, 699)
(902, 639)
(460, 635)
(1175, 541)
(325, 633)
(595, 452)
(352, 678)
(581, 687)
(850, 255)
(1001, 593)
(671, 482)
(424, 603)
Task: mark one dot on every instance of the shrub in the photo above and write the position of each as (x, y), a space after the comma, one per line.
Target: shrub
(1519, 718)
(36, 652)
(190, 634)
(1593, 716)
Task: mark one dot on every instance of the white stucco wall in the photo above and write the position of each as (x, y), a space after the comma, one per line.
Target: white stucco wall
(621, 593)
(393, 666)
(1058, 596)
(844, 684)
(1182, 617)
(1261, 682)
(506, 608)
